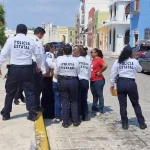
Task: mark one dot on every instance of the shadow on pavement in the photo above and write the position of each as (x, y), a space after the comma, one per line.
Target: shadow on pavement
(133, 121)
(19, 116)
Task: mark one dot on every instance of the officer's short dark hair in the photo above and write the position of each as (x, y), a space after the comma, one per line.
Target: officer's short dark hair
(67, 49)
(21, 28)
(83, 52)
(39, 30)
(48, 46)
(60, 52)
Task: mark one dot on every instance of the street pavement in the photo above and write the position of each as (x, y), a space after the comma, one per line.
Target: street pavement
(17, 133)
(100, 133)
(104, 132)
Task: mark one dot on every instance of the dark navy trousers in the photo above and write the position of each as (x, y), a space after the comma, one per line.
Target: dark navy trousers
(20, 75)
(82, 96)
(127, 87)
(69, 96)
(38, 85)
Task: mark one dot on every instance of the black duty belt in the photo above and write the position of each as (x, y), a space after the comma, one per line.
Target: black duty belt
(21, 66)
(66, 77)
(123, 78)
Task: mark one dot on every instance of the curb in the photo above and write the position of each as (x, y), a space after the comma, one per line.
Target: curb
(41, 134)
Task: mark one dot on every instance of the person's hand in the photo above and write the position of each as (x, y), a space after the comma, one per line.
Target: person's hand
(98, 73)
(112, 88)
(38, 69)
(0, 73)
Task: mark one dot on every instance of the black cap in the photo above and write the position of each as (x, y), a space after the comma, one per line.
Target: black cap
(21, 28)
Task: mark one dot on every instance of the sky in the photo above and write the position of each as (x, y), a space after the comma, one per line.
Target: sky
(34, 12)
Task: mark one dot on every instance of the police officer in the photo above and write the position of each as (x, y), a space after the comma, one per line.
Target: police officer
(38, 35)
(84, 77)
(20, 49)
(68, 69)
(47, 100)
(125, 69)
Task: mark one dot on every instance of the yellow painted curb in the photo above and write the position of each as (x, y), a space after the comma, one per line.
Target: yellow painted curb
(41, 134)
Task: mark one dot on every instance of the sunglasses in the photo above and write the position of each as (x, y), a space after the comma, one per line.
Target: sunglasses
(93, 52)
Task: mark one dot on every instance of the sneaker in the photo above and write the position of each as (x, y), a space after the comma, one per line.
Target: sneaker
(56, 120)
(143, 126)
(98, 113)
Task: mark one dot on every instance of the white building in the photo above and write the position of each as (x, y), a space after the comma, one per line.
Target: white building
(11, 33)
(119, 25)
(85, 7)
(52, 33)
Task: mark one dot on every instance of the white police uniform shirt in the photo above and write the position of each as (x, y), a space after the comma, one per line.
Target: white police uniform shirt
(127, 69)
(67, 65)
(85, 69)
(41, 48)
(50, 60)
(39, 45)
(20, 49)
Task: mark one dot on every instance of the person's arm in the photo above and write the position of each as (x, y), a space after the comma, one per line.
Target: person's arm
(104, 66)
(38, 54)
(57, 68)
(49, 74)
(50, 62)
(5, 53)
(114, 73)
(138, 66)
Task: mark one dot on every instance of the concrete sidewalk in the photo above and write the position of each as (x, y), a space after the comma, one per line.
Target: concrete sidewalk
(17, 133)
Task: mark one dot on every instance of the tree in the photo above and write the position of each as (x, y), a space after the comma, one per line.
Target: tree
(2, 26)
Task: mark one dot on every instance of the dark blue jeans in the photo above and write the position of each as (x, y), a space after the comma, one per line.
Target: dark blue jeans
(129, 88)
(97, 92)
(57, 100)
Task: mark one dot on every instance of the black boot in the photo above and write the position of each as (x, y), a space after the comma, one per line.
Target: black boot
(143, 126)
(125, 126)
(16, 102)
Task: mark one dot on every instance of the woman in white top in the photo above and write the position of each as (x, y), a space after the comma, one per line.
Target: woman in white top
(124, 73)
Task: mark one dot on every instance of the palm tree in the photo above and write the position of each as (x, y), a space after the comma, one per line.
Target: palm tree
(2, 26)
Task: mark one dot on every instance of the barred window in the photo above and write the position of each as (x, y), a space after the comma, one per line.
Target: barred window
(147, 33)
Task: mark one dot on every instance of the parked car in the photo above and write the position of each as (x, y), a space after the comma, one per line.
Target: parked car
(145, 62)
(57, 44)
(141, 50)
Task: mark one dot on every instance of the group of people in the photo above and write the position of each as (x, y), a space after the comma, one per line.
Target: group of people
(56, 81)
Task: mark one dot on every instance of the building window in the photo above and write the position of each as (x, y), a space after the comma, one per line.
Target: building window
(127, 11)
(110, 37)
(135, 6)
(147, 34)
(70, 39)
(110, 12)
(115, 10)
(49, 33)
(127, 37)
(71, 33)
